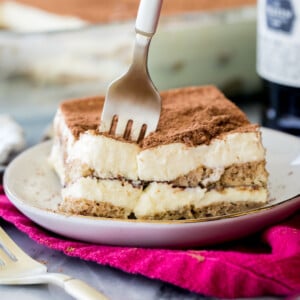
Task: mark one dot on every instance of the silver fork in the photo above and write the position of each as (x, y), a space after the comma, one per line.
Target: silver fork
(17, 268)
(132, 103)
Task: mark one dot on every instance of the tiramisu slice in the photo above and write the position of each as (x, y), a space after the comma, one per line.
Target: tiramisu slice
(205, 159)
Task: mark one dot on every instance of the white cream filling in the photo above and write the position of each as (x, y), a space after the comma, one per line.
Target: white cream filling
(170, 161)
(111, 158)
(157, 197)
(108, 157)
(111, 191)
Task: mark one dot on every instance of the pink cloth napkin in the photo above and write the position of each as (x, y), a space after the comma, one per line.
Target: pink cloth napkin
(267, 263)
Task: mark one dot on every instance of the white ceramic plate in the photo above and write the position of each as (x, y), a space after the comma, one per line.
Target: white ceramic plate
(33, 187)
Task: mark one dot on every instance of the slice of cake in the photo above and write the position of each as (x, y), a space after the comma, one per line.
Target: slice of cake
(205, 159)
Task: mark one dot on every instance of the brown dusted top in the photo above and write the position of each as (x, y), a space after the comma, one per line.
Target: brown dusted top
(101, 11)
(193, 115)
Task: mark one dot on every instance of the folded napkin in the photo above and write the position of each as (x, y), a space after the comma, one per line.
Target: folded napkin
(267, 263)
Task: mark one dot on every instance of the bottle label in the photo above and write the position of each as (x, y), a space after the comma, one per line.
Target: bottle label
(278, 41)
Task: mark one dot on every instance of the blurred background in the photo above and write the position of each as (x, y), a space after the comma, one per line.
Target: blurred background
(53, 50)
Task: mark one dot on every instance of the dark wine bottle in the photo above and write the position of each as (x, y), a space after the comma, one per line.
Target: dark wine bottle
(278, 62)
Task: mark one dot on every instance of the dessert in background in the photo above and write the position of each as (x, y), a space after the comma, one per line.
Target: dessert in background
(215, 42)
(205, 159)
(55, 14)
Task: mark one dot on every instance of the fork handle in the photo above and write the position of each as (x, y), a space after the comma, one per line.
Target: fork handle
(82, 291)
(148, 16)
(74, 287)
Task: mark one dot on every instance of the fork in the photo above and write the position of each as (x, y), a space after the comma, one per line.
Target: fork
(132, 103)
(17, 268)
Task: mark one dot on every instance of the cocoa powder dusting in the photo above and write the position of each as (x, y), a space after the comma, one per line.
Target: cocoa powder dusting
(82, 114)
(193, 116)
(101, 11)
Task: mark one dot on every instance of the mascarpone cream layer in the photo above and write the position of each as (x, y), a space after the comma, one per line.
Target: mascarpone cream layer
(110, 158)
(111, 191)
(161, 197)
(157, 197)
